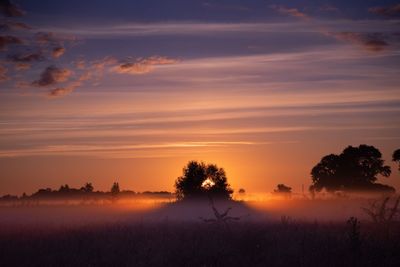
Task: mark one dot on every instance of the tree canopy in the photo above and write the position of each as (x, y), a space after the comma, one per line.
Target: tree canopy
(200, 180)
(355, 169)
(115, 189)
(396, 156)
(88, 187)
(283, 189)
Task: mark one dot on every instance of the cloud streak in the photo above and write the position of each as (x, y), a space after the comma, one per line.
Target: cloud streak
(3, 74)
(7, 40)
(294, 12)
(143, 65)
(109, 150)
(391, 11)
(11, 25)
(94, 70)
(25, 58)
(374, 42)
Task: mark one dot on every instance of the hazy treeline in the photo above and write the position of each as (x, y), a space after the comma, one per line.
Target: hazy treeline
(86, 192)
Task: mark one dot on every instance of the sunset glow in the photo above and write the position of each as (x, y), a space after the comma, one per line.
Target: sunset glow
(199, 133)
(262, 89)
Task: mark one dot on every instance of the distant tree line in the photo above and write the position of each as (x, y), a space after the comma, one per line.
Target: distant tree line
(85, 192)
(355, 169)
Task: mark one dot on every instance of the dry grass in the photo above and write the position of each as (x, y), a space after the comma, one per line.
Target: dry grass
(199, 244)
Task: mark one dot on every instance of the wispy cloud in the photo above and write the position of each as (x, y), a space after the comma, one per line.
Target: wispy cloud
(391, 11)
(51, 39)
(94, 70)
(52, 75)
(45, 38)
(115, 150)
(22, 66)
(143, 65)
(12, 25)
(189, 28)
(70, 87)
(3, 74)
(374, 42)
(26, 57)
(9, 40)
(294, 12)
(58, 52)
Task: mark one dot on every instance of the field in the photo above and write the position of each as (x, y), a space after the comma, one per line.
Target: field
(169, 235)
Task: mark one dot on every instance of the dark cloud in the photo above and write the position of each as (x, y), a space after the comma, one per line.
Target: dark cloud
(9, 25)
(9, 40)
(3, 74)
(52, 75)
(58, 52)
(9, 9)
(374, 42)
(29, 57)
(392, 11)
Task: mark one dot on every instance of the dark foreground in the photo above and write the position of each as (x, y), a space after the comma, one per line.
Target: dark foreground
(284, 243)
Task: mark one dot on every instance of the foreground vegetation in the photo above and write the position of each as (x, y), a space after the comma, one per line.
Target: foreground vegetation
(285, 243)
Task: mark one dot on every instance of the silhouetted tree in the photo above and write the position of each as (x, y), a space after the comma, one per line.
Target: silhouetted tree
(87, 188)
(281, 188)
(356, 168)
(200, 180)
(242, 191)
(396, 157)
(115, 189)
(43, 193)
(64, 189)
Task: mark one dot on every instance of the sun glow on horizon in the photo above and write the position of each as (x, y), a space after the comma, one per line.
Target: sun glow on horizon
(262, 95)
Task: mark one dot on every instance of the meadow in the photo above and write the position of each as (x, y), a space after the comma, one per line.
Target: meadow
(275, 233)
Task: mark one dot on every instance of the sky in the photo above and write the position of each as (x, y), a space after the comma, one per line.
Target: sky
(130, 91)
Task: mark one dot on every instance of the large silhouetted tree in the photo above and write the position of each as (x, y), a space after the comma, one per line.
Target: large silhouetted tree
(355, 169)
(396, 157)
(201, 180)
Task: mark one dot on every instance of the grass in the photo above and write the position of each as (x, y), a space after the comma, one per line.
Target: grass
(167, 243)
